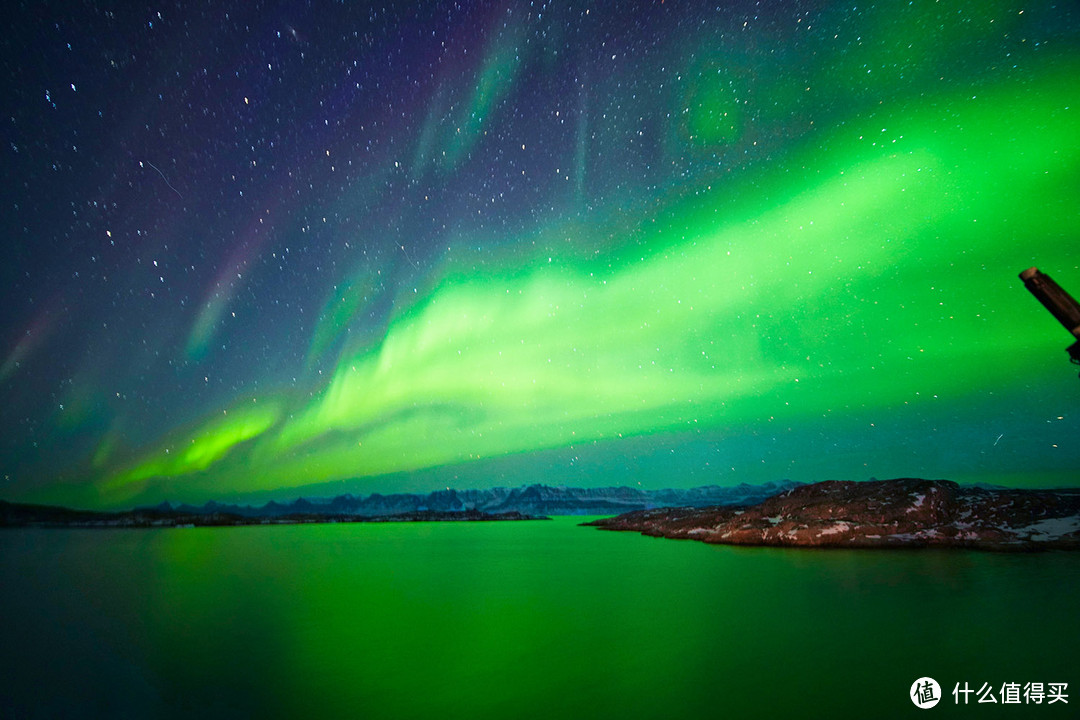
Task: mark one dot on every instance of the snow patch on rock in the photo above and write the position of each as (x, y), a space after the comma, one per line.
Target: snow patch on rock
(1051, 528)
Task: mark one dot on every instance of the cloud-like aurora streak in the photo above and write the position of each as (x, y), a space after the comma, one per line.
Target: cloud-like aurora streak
(832, 290)
(209, 443)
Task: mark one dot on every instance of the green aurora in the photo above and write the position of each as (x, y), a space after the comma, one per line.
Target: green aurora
(846, 306)
(883, 277)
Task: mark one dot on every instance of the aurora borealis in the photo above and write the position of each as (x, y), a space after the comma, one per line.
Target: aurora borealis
(256, 249)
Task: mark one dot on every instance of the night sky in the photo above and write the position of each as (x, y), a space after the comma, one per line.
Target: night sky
(256, 250)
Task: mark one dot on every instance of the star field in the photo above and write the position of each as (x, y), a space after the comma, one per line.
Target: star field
(258, 249)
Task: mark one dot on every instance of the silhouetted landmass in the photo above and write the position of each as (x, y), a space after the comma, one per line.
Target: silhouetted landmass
(906, 512)
(530, 500)
(533, 501)
(45, 516)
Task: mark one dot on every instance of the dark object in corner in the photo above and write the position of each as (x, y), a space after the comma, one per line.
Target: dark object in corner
(1060, 304)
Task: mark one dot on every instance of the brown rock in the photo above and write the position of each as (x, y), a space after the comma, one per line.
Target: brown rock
(906, 512)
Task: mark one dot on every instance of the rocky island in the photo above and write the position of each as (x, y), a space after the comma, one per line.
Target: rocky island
(906, 512)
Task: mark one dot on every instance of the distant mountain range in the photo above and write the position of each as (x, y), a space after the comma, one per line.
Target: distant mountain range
(533, 500)
(525, 503)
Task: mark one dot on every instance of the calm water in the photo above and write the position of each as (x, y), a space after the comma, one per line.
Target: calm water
(522, 620)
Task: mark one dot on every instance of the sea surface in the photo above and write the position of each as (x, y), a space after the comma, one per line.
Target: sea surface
(516, 620)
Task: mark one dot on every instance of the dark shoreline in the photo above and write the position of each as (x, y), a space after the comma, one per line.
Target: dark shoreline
(18, 515)
(499, 503)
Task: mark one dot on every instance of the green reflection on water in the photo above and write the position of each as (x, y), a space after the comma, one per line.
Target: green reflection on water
(541, 619)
